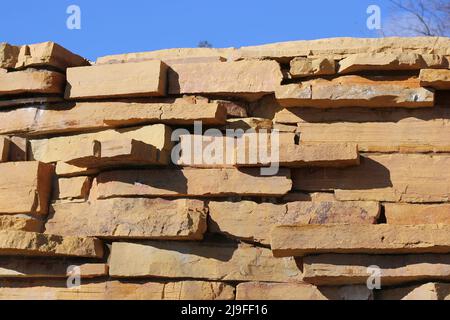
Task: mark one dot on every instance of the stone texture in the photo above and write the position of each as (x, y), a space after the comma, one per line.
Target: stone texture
(245, 79)
(253, 222)
(14, 101)
(397, 213)
(26, 267)
(31, 82)
(409, 178)
(18, 149)
(350, 238)
(217, 261)
(84, 116)
(140, 79)
(428, 291)
(64, 170)
(248, 123)
(20, 223)
(25, 187)
(116, 290)
(66, 148)
(46, 54)
(413, 136)
(37, 244)
(314, 197)
(438, 79)
(312, 66)
(120, 152)
(159, 219)
(4, 149)
(339, 269)
(383, 61)
(192, 182)
(299, 291)
(72, 188)
(356, 91)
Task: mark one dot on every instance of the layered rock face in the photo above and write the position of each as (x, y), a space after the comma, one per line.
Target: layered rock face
(308, 170)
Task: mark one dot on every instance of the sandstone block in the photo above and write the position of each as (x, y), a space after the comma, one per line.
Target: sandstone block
(4, 149)
(428, 291)
(355, 91)
(248, 123)
(350, 238)
(299, 291)
(72, 188)
(18, 149)
(38, 244)
(217, 261)
(158, 219)
(312, 66)
(253, 222)
(64, 170)
(140, 79)
(339, 269)
(25, 187)
(398, 213)
(392, 178)
(438, 79)
(191, 182)
(20, 223)
(116, 290)
(31, 82)
(245, 79)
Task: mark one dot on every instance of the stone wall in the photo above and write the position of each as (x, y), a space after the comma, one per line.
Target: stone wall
(89, 186)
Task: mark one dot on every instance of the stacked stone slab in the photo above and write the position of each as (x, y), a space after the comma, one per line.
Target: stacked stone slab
(100, 176)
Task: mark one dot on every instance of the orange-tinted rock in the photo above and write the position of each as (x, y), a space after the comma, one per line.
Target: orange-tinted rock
(31, 82)
(428, 291)
(20, 223)
(312, 66)
(72, 188)
(438, 79)
(4, 149)
(398, 213)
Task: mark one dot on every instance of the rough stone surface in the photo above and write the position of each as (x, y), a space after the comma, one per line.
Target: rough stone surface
(25, 187)
(428, 291)
(303, 240)
(37, 244)
(160, 219)
(20, 223)
(410, 214)
(252, 221)
(335, 269)
(246, 79)
(356, 91)
(18, 149)
(116, 290)
(141, 79)
(438, 79)
(4, 149)
(312, 66)
(218, 261)
(192, 182)
(299, 291)
(72, 188)
(31, 82)
(393, 178)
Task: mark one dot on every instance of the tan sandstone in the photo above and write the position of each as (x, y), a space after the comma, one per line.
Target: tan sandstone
(4, 149)
(72, 188)
(438, 79)
(31, 82)
(312, 66)
(404, 213)
(20, 223)
(428, 291)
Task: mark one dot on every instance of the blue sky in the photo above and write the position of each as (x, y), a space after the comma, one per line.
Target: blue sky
(110, 27)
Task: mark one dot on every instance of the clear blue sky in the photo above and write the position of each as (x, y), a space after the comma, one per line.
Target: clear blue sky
(115, 26)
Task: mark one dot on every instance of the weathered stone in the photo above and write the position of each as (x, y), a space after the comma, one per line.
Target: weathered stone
(339, 269)
(284, 128)
(312, 66)
(38, 244)
(84, 116)
(410, 178)
(438, 79)
(299, 291)
(20, 223)
(428, 291)
(18, 149)
(251, 221)
(26, 267)
(64, 170)
(31, 82)
(140, 79)
(47, 54)
(315, 197)
(234, 109)
(66, 148)
(249, 123)
(245, 79)
(14, 101)
(192, 182)
(72, 188)
(116, 290)
(414, 136)
(25, 187)
(215, 261)
(4, 149)
(303, 240)
(397, 213)
(158, 219)
(356, 91)
(383, 61)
